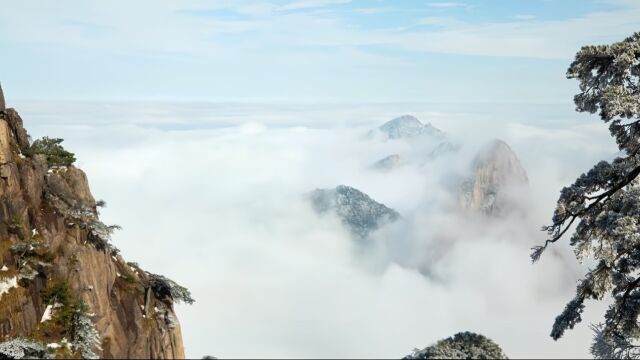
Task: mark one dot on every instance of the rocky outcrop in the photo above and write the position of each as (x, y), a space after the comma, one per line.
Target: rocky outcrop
(496, 172)
(359, 212)
(58, 267)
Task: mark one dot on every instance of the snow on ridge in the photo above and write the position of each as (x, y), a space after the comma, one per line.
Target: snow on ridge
(408, 126)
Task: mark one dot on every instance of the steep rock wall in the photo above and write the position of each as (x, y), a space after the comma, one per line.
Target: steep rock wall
(52, 211)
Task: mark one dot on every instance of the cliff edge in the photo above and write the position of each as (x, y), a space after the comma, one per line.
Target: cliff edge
(65, 291)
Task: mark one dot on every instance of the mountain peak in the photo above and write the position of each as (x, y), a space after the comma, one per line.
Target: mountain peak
(357, 210)
(500, 158)
(496, 169)
(408, 126)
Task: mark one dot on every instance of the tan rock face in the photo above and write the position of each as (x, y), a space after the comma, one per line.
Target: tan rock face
(496, 172)
(2, 103)
(133, 321)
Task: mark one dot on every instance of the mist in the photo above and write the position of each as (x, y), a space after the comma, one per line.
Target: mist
(212, 195)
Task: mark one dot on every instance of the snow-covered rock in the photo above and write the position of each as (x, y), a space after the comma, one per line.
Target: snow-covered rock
(407, 127)
(8, 284)
(425, 142)
(48, 313)
(359, 212)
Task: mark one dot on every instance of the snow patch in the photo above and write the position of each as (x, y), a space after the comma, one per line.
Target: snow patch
(4, 268)
(48, 312)
(8, 284)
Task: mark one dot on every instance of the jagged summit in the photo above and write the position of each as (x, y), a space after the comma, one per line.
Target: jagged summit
(359, 212)
(427, 142)
(408, 126)
(495, 169)
(65, 291)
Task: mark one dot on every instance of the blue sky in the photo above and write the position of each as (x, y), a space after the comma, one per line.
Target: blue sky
(302, 50)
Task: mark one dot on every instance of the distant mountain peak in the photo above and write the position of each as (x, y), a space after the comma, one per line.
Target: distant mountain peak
(388, 162)
(443, 148)
(495, 169)
(408, 126)
(357, 210)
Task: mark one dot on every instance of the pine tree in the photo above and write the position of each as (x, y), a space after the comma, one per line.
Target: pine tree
(463, 345)
(85, 339)
(605, 202)
(56, 154)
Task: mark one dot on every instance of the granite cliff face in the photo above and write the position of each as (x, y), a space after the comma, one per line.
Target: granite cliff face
(495, 172)
(64, 289)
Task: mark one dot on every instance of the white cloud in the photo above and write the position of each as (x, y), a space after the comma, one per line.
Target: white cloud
(370, 10)
(310, 4)
(525, 17)
(164, 28)
(531, 38)
(446, 4)
(217, 190)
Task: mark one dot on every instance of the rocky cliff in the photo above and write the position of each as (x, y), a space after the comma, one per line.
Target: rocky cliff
(65, 291)
(496, 174)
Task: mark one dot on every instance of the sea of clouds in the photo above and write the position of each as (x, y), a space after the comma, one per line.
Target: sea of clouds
(212, 196)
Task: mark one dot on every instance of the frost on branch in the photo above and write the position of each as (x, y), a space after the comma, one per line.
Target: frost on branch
(464, 345)
(612, 346)
(85, 338)
(22, 348)
(604, 203)
(31, 255)
(165, 288)
(609, 77)
(99, 234)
